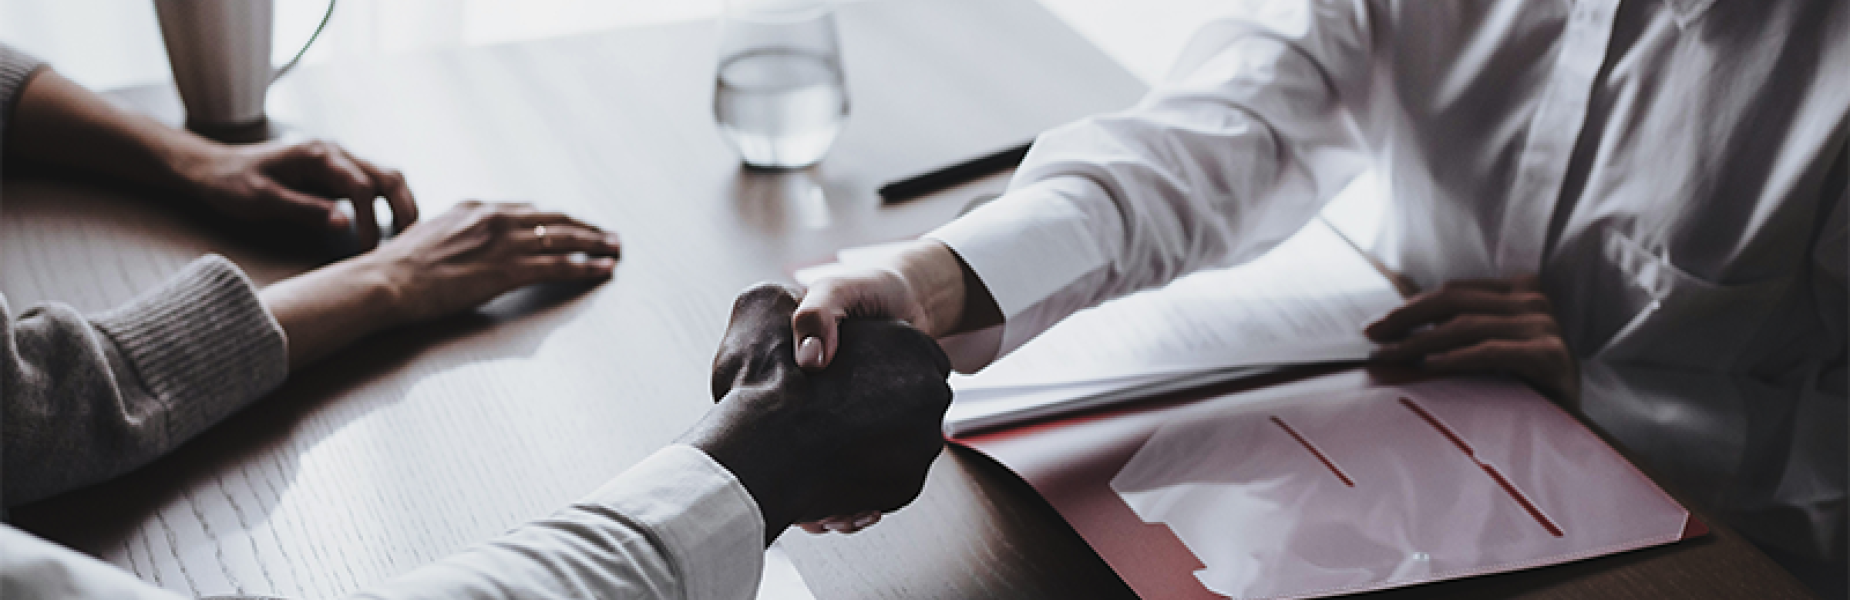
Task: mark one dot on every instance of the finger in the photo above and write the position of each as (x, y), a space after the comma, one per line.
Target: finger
(353, 182)
(865, 520)
(817, 323)
(813, 528)
(391, 184)
(849, 523)
(1486, 285)
(566, 239)
(298, 207)
(323, 167)
(1540, 361)
(1465, 330)
(1526, 283)
(525, 215)
(562, 267)
(1445, 303)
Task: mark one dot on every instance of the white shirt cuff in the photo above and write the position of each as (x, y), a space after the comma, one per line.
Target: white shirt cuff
(1029, 243)
(1025, 246)
(706, 520)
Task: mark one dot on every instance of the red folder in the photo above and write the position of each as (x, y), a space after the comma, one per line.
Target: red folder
(1338, 483)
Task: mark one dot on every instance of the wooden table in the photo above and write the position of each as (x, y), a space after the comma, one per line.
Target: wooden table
(415, 444)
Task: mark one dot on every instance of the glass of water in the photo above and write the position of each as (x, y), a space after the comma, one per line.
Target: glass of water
(780, 95)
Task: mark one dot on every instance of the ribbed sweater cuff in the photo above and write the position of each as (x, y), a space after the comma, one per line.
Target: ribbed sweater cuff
(201, 343)
(15, 68)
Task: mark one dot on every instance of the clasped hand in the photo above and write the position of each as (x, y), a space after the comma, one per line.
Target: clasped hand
(854, 439)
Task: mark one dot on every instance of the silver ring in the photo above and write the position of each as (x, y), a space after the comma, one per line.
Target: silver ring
(539, 231)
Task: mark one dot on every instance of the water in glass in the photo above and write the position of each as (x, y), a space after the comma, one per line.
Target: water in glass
(780, 96)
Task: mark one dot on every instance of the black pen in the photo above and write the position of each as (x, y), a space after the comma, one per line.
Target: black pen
(913, 187)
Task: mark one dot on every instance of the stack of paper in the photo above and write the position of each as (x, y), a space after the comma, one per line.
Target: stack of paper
(1305, 302)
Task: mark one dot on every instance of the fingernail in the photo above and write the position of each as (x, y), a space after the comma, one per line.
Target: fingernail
(603, 264)
(612, 241)
(835, 526)
(809, 352)
(866, 520)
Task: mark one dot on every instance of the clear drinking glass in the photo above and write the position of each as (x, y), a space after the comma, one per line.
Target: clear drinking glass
(780, 95)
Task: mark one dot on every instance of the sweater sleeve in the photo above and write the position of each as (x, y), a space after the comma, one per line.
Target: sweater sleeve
(15, 68)
(84, 399)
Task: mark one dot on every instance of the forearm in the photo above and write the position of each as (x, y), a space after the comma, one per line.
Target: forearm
(954, 298)
(325, 309)
(677, 525)
(60, 124)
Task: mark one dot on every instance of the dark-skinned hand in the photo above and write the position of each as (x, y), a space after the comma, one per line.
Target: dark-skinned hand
(300, 183)
(854, 439)
(1504, 326)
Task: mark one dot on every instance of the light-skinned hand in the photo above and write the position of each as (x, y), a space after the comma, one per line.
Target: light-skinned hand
(925, 285)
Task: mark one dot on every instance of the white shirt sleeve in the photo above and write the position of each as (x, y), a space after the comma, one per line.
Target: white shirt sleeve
(33, 568)
(1236, 152)
(677, 525)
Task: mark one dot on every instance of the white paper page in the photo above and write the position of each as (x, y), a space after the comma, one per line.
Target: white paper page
(990, 408)
(781, 581)
(1304, 302)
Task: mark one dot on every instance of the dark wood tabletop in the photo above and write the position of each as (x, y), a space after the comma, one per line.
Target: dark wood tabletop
(416, 443)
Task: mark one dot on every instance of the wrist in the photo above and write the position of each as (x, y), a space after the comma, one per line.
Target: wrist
(952, 297)
(189, 162)
(371, 281)
(742, 434)
(934, 279)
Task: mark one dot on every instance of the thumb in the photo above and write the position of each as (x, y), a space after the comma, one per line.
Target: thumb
(817, 325)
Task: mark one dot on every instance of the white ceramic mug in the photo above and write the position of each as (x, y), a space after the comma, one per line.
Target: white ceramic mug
(220, 53)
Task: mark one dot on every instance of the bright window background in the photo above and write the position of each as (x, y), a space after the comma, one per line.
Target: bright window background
(114, 43)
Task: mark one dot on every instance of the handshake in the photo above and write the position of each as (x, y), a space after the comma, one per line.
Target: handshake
(831, 449)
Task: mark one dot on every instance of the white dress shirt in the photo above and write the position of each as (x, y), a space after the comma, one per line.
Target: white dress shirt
(676, 525)
(1673, 169)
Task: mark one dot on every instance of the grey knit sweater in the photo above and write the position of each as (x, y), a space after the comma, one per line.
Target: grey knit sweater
(87, 398)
